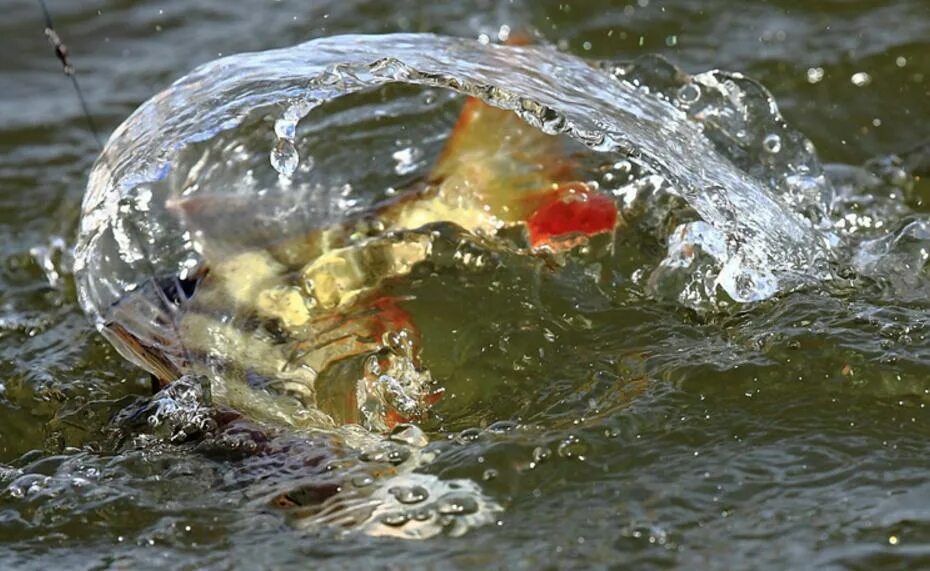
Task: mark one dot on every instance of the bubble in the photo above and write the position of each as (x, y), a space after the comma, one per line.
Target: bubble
(861, 79)
(900, 61)
(456, 504)
(395, 519)
(363, 481)
(772, 143)
(388, 453)
(814, 74)
(409, 495)
(689, 93)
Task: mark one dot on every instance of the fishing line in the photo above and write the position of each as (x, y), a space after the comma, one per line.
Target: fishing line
(168, 307)
(61, 52)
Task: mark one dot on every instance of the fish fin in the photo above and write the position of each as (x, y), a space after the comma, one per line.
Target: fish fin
(569, 210)
(508, 153)
(142, 354)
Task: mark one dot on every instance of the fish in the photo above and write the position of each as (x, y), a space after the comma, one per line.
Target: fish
(315, 300)
(303, 334)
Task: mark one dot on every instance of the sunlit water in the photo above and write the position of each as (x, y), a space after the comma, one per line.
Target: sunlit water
(739, 379)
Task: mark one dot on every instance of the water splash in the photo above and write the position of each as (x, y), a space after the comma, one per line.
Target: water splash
(179, 412)
(54, 259)
(705, 162)
(700, 133)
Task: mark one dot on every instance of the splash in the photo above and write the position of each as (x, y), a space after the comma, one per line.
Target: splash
(701, 134)
(261, 146)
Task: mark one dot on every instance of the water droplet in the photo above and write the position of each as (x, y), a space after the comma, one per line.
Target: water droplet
(572, 447)
(409, 495)
(503, 34)
(626, 167)
(363, 481)
(306, 164)
(406, 160)
(861, 79)
(285, 129)
(409, 434)
(395, 519)
(502, 426)
(814, 74)
(284, 157)
(456, 504)
(468, 435)
(772, 143)
(390, 454)
(689, 93)
(422, 515)
(540, 454)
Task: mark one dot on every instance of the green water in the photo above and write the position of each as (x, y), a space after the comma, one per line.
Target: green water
(790, 435)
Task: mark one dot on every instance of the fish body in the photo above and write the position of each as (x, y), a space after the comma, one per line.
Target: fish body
(302, 331)
(304, 304)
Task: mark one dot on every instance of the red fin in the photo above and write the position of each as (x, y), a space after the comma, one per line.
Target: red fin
(390, 317)
(519, 39)
(393, 418)
(434, 397)
(570, 209)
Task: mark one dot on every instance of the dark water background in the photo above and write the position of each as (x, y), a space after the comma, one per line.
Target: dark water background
(784, 460)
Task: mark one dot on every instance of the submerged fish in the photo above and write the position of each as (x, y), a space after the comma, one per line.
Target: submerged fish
(314, 300)
(302, 333)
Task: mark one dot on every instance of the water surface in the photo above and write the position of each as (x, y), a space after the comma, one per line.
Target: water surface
(789, 433)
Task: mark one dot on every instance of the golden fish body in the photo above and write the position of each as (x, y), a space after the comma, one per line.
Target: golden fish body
(278, 316)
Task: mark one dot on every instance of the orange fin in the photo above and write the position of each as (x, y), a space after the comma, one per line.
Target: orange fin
(512, 154)
(570, 209)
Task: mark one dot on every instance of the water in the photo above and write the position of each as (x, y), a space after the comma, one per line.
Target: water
(611, 428)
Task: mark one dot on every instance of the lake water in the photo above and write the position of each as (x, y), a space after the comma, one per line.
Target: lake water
(613, 429)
